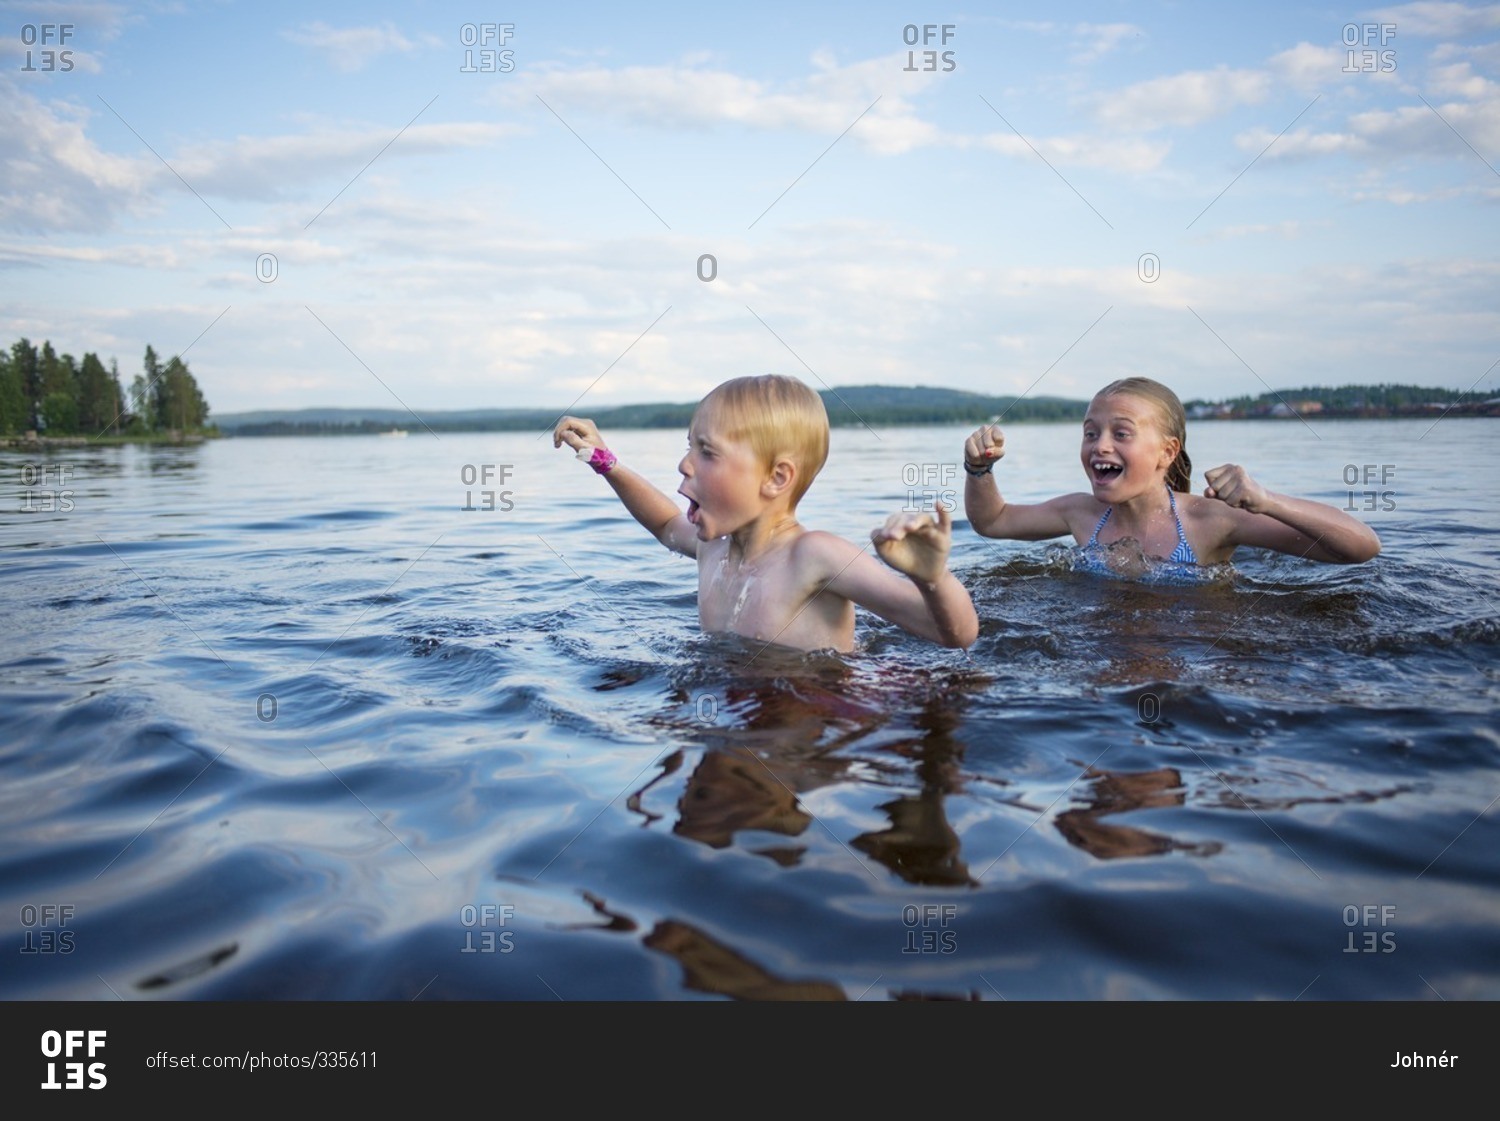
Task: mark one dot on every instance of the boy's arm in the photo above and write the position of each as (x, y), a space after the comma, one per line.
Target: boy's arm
(647, 505)
(917, 592)
(1298, 526)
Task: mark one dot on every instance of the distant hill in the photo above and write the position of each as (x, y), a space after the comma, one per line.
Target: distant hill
(871, 405)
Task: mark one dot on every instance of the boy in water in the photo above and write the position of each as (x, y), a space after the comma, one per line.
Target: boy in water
(754, 447)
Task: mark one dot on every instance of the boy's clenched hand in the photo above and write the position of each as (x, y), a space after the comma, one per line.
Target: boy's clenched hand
(916, 544)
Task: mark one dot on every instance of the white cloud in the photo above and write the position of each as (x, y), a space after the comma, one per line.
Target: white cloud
(352, 48)
(127, 256)
(1126, 155)
(827, 102)
(1300, 144)
(1095, 40)
(1288, 230)
(1402, 196)
(1447, 128)
(1439, 20)
(52, 176)
(1090, 40)
(1188, 98)
(1309, 67)
(265, 167)
(1450, 130)
(1459, 80)
(1482, 54)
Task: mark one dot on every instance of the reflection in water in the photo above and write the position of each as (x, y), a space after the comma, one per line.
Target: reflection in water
(615, 921)
(782, 739)
(736, 789)
(921, 846)
(193, 968)
(1116, 792)
(711, 967)
(772, 735)
(635, 803)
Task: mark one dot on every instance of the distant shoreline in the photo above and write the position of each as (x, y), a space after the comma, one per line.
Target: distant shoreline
(867, 406)
(842, 414)
(46, 443)
(418, 429)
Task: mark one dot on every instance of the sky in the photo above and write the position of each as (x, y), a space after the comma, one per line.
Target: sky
(573, 206)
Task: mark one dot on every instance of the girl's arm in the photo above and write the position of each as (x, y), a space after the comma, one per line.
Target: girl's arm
(1298, 526)
(646, 504)
(917, 591)
(988, 512)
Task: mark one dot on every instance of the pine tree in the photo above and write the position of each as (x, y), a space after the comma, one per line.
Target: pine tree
(59, 391)
(24, 361)
(97, 396)
(155, 394)
(12, 402)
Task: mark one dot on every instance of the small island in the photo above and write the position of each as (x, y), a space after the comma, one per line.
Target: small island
(53, 400)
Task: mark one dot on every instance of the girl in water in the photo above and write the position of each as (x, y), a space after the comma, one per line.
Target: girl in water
(1139, 474)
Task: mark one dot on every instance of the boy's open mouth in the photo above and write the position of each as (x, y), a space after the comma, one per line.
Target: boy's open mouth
(1104, 472)
(692, 512)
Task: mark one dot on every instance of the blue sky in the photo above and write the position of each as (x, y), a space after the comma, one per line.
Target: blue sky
(1228, 198)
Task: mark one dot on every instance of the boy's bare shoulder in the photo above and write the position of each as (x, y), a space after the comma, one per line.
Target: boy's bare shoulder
(820, 543)
(819, 554)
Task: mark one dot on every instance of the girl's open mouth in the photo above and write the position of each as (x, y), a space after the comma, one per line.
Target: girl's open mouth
(692, 512)
(1103, 472)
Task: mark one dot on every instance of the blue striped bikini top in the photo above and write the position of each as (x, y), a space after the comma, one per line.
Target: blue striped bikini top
(1181, 565)
(1183, 554)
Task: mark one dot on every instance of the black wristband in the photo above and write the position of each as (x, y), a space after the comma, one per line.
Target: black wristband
(977, 471)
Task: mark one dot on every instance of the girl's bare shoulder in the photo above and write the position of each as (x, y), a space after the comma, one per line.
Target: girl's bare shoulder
(1211, 525)
(1204, 511)
(1081, 509)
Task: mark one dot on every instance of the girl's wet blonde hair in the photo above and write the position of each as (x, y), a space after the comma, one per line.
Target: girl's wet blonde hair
(779, 417)
(1173, 422)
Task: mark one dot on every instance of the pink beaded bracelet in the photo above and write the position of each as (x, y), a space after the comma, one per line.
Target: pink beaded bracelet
(602, 461)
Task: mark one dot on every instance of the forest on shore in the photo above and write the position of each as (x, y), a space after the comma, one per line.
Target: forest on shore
(55, 395)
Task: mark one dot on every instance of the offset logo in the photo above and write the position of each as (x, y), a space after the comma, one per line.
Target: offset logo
(492, 60)
(483, 473)
(45, 33)
(911, 35)
(67, 1045)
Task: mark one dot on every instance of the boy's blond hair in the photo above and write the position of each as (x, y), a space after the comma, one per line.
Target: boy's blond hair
(779, 417)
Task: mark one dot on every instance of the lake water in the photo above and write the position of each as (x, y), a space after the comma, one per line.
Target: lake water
(286, 721)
